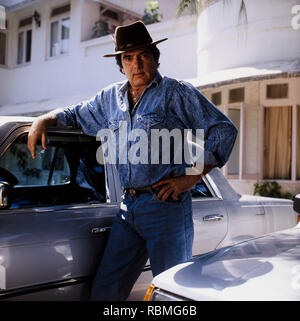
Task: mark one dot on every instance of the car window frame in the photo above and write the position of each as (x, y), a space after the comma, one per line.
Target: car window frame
(19, 129)
(213, 189)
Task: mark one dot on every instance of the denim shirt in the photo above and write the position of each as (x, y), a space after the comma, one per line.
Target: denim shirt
(165, 104)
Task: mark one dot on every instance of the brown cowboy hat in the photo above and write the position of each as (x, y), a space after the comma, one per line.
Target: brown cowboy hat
(131, 37)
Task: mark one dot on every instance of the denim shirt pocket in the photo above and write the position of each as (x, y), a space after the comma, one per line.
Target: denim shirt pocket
(151, 120)
(118, 133)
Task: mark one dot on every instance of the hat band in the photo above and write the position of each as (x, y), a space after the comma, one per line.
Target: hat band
(136, 43)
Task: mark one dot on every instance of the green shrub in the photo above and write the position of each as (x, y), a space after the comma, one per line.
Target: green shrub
(151, 13)
(270, 189)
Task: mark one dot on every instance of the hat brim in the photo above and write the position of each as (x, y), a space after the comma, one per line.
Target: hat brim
(134, 48)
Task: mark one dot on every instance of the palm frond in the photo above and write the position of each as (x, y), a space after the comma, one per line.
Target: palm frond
(243, 19)
(196, 6)
(191, 5)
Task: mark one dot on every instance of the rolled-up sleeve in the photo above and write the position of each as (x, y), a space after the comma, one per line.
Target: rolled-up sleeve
(89, 116)
(194, 111)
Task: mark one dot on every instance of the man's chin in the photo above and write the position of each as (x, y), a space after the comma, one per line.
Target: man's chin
(140, 82)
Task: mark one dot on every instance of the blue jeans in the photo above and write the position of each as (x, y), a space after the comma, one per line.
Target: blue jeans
(144, 227)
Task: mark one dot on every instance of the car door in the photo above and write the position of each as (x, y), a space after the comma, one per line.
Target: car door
(247, 220)
(53, 232)
(209, 215)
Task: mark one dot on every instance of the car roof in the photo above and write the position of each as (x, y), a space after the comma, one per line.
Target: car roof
(16, 119)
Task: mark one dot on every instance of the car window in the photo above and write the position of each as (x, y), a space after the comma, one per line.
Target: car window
(66, 172)
(200, 190)
(50, 166)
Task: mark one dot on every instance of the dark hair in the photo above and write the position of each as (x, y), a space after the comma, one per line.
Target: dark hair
(153, 49)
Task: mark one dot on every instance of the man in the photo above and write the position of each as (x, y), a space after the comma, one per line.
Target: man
(155, 217)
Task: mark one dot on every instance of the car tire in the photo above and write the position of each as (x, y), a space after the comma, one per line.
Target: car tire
(297, 203)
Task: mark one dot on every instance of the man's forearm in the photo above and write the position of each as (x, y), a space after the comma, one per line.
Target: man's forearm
(206, 169)
(49, 120)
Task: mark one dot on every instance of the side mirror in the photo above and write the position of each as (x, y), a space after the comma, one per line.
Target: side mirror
(4, 195)
(297, 203)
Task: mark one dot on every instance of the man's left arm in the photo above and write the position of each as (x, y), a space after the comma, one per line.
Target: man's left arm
(197, 112)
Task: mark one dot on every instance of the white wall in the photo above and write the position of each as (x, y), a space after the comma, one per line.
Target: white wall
(83, 69)
(268, 35)
(44, 76)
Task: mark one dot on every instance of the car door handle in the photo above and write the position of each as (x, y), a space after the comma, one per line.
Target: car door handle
(215, 217)
(97, 230)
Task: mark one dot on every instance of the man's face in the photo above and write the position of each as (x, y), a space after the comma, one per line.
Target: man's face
(139, 66)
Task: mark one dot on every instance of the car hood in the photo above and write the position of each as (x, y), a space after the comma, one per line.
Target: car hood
(265, 268)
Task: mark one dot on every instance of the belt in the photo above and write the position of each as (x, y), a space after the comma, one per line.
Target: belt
(138, 191)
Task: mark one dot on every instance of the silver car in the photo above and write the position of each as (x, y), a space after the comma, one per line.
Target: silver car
(57, 210)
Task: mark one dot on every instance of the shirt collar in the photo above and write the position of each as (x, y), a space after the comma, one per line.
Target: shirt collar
(155, 82)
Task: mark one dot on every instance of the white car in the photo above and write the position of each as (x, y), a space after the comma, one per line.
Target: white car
(263, 268)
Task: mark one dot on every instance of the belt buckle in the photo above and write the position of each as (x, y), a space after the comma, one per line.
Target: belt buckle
(132, 191)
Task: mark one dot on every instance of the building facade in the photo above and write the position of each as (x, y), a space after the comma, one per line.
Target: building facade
(250, 69)
(56, 59)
